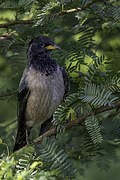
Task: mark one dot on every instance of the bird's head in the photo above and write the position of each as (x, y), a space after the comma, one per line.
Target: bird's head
(41, 44)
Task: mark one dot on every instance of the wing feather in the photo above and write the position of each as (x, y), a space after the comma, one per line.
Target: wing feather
(22, 101)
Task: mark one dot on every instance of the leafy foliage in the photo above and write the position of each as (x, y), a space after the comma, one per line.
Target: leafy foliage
(93, 128)
(84, 30)
(58, 159)
(30, 162)
(96, 96)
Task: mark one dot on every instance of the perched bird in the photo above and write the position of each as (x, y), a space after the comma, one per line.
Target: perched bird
(42, 88)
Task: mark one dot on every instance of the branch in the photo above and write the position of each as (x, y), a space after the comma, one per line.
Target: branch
(77, 122)
(8, 35)
(16, 22)
(59, 13)
(112, 115)
(79, 9)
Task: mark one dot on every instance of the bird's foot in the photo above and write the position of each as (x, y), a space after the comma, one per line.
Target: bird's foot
(28, 139)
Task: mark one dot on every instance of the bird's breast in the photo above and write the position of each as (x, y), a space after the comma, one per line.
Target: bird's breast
(46, 93)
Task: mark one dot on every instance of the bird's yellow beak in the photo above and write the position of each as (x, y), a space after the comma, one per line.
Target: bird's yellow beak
(51, 47)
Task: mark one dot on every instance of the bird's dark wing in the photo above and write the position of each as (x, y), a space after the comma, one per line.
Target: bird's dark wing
(66, 81)
(22, 101)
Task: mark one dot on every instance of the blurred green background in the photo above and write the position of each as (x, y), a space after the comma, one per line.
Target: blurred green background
(11, 68)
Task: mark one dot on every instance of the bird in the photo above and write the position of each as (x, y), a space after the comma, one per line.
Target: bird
(43, 87)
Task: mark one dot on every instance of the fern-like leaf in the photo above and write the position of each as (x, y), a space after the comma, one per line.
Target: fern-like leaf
(97, 96)
(50, 152)
(45, 14)
(93, 129)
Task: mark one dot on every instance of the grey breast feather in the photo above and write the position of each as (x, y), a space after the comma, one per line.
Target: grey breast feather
(46, 93)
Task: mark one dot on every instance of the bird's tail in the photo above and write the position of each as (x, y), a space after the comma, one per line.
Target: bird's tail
(20, 138)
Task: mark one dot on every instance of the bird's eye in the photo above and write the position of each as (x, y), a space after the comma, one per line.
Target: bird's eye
(42, 45)
(47, 44)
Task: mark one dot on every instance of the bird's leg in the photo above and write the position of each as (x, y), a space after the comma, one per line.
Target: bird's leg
(28, 140)
(46, 126)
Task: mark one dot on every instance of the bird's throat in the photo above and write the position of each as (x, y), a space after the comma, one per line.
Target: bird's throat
(43, 64)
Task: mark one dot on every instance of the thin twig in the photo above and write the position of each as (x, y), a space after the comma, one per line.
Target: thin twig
(112, 115)
(6, 25)
(78, 121)
(79, 9)
(8, 35)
